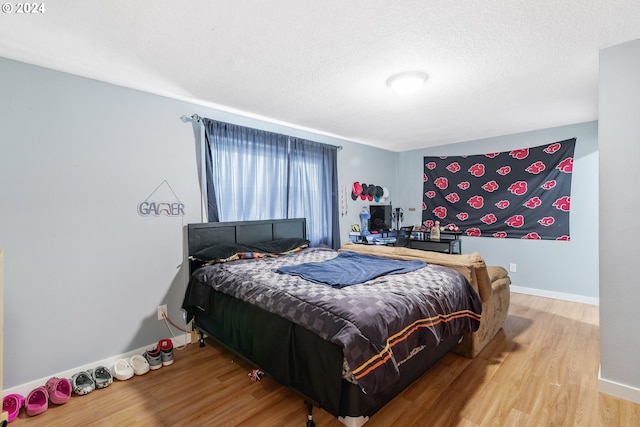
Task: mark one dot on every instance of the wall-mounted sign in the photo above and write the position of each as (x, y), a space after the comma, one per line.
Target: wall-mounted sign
(162, 201)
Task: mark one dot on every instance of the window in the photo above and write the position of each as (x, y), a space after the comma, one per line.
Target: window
(254, 174)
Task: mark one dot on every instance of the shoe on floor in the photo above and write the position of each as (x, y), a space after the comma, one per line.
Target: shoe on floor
(139, 364)
(82, 383)
(153, 358)
(59, 390)
(102, 377)
(37, 401)
(166, 351)
(11, 404)
(123, 371)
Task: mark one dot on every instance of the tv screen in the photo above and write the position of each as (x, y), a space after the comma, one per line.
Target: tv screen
(380, 218)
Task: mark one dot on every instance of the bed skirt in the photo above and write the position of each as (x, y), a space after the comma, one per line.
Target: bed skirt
(297, 358)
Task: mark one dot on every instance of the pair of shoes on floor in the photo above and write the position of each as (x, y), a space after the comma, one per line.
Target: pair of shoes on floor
(161, 355)
(85, 382)
(125, 369)
(56, 390)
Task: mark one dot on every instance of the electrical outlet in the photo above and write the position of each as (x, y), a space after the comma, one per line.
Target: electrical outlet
(512, 267)
(162, 309)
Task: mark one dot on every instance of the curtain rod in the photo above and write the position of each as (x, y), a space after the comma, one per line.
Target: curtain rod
(196, 118)
(193, 118)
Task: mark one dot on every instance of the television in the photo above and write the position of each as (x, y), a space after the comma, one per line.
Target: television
(380, 218)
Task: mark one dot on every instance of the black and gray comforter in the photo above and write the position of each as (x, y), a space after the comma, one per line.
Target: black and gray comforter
(377, 323)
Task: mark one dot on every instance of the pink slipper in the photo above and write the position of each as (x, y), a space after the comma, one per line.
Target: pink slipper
(59, 390)
(11, 404)
(37, 401)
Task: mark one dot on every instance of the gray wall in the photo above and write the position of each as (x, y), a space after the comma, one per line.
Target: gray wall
(365, 165)
(84, 272)
(565, 269)
(619, 127)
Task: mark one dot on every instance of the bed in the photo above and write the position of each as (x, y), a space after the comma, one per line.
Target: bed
(348, 348)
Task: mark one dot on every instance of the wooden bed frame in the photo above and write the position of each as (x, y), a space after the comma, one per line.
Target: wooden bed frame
(313, 366)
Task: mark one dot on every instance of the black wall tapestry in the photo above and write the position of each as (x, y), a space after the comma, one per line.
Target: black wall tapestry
(524, 193)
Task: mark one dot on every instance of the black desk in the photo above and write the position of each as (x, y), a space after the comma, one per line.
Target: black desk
(449, 243)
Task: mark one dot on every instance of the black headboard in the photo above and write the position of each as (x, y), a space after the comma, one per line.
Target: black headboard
(202, 235)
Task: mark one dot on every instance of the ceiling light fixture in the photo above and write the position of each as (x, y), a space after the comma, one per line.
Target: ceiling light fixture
(407, 81)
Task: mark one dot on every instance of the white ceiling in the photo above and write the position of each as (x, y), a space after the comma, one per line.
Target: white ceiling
(495, 67)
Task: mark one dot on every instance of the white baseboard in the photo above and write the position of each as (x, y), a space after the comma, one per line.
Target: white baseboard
(555, 295)
(24, 389)
(615, 389)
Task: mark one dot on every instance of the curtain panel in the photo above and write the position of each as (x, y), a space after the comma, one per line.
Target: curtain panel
(313, 189)
(524, 193)
(254, 174)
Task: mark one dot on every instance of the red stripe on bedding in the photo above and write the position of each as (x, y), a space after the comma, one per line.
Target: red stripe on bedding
(382, 357)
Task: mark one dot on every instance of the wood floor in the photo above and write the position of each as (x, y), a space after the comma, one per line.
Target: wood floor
(540, 370)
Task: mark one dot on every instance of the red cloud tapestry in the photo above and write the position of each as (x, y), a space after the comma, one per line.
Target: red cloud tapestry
(524, 193)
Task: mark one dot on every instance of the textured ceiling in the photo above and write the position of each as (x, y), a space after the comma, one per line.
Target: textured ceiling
(495, 67)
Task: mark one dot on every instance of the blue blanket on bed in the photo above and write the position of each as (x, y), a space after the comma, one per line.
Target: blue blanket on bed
(350, 268)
